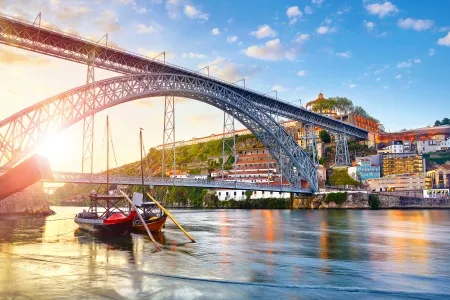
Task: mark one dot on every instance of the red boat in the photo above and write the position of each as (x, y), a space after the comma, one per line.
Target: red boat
(106, 216)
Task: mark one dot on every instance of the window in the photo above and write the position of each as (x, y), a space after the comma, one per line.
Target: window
(227, 193)
(243, 193)
(220, 193)
(235, 193)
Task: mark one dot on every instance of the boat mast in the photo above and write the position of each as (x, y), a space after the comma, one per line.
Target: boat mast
(107, 155)
(142, 167)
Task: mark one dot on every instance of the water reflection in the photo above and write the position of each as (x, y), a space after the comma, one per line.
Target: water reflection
(381, 250)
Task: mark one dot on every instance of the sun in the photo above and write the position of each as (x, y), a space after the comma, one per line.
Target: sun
(60, 150)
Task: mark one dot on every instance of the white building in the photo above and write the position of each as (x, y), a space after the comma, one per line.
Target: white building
(239, 195)
(437, 144)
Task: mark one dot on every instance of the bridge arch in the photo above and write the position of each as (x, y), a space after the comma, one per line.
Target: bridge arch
(21, 133)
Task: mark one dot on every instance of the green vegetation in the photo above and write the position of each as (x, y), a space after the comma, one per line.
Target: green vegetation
(338, 198)
(342, 105)
(374, 201)
(436, 158)
(445, 121)
(341, 177)
(325, 136)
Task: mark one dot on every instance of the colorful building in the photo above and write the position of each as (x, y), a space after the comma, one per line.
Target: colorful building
(366, 170)
(402, 163)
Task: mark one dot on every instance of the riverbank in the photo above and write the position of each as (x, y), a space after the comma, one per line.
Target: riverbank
(367, 201)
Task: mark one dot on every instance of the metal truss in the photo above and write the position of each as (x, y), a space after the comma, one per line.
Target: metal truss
(87, 155)
(25, 35)
(168, 151)
(228, 145)
(310, 136)
(342, 156)
(68, 177)
(22, 132)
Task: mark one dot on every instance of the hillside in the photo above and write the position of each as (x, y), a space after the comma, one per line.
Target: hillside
(195, 159)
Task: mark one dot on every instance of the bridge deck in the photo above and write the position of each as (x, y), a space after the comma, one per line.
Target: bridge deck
(25, 35)
(68, 177)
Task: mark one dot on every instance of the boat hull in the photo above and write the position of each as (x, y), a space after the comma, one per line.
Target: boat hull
(97, 226)
(155, 225)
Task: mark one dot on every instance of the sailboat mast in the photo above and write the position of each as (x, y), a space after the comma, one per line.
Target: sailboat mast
(142, 167)
(107, 155)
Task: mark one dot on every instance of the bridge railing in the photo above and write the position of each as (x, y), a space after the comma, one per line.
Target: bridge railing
(166, 181)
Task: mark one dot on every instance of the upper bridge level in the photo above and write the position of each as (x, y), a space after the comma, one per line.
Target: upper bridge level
(32, 37)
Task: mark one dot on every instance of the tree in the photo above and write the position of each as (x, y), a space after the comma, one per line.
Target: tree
(343, 105)
(341, 177)
(325, 136)
(358, 110)
(437, 123)
(445, 121)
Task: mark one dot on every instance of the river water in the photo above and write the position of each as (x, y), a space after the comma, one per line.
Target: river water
(239, 254)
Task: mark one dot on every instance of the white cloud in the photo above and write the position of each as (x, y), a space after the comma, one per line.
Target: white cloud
(443, 29)
(194, 55)
(215, 31)
(232, 39)
(279, 88)
(418, 25)
(109, 22)
(194, 13)
(301, 73)
(134, 5)
(384, 33)
(431, 52)
(153, 54)
(352, 85)
(417, 61)
(317, 2)
(404, 64)
(445, 41)
(398, 76)
(328, 21)
(145, 29)
(293, 14)
(325, 30)
(301, 38)
(345, 54)
(308, 10)
(369, 25)
(172, 8)
(264, 31)
(230, 71)
(272, 50)
(230, 20)
(382, 9)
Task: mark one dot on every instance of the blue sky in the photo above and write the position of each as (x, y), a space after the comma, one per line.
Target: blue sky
(391, 57)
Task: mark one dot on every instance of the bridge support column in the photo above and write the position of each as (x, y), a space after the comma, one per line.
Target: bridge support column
(310, 136)
(342, 155)
(227, 144)
(87, 159)
(168, 152)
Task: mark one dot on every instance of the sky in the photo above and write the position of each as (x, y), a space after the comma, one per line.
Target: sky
(391, 57)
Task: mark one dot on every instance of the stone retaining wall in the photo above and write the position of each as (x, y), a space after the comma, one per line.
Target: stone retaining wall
(31, 200)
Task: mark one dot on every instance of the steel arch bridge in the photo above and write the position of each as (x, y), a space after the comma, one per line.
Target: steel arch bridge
(21, 133)
(32, 37)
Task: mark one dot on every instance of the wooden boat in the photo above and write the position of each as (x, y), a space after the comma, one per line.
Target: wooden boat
(107, 214)
(154, 221)
(154, 218)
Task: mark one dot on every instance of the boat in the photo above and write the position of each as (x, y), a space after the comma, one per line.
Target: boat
(107, 214)
(154, 217)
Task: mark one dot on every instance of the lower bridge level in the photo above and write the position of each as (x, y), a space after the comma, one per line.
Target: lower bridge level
(68, 177)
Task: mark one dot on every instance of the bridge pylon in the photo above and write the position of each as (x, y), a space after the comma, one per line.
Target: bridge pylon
(342, 155)
(227, 144)
(169, 150)
(87, 158)
(310, 136)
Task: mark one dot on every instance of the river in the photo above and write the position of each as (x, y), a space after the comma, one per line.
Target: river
(239, 254)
